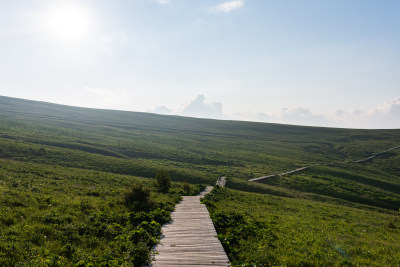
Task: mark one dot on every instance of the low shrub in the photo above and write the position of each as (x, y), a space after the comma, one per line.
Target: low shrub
(163, 181)
(138, 198)
(187, 188)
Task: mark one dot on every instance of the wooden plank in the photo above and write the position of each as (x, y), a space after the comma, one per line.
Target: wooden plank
(190, 240)
(282, 174)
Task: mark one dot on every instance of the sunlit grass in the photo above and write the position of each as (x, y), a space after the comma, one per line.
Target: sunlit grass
(290, 232)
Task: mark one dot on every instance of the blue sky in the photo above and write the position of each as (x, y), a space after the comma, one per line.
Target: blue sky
(329, 63)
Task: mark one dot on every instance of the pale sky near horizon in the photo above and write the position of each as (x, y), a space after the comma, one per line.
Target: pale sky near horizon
(329, 63)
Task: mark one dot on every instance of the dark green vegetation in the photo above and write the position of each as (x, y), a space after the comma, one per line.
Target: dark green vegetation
(163, 181)
(73, 155)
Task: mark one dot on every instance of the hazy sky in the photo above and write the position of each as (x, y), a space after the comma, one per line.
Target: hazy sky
(326, 62)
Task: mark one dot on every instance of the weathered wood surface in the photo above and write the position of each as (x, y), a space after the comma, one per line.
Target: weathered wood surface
(190, 239)
(376, 155)
(282, 174)
(221, 181)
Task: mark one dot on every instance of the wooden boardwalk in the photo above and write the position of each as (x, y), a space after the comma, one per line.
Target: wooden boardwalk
(190, 239)
(374, 155)
(282, 174)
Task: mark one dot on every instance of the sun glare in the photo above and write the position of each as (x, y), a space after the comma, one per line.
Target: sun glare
(69, 22)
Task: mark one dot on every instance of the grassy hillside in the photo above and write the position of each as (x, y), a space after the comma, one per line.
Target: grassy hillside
(267, 230)
(80, 150)
(59, 216)
(238, 149)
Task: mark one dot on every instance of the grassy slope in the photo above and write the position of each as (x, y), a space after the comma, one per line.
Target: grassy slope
(268, 231)
(198, 151)
(59, 216)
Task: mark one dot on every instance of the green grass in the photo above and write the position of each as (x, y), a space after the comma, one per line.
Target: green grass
(61, 167)
(236, 149)
(273, 231)
(342, 184)
(59, 216)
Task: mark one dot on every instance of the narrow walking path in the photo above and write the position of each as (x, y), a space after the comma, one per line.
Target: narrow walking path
(190, 239)
(375, 155)
(306, 167)
(282, 174)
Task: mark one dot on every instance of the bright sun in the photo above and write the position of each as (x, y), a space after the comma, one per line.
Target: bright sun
(68, 21)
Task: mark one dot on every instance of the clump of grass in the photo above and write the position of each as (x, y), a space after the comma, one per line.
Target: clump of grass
(187, 188)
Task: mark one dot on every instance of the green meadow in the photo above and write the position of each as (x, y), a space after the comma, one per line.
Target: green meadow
(65, 173)
(267, 230)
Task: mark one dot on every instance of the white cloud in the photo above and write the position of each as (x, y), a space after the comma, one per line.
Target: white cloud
(162, 110)
(389, 108)
(386, 115)
(201, 109)
(297, 115)
(228, 6)
(161, 2)
(348, 117)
